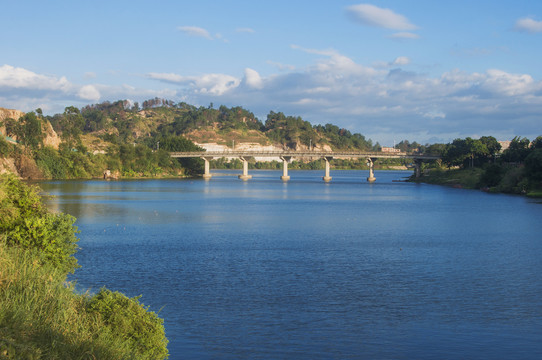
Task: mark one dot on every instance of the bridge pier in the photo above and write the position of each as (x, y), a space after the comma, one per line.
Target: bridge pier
(245, 175)
(326, 177)
(207, 174)
(418, 167)
(285, 160)
(371, 177)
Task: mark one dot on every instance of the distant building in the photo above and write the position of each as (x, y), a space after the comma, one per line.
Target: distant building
(390, 150)
(504, 145)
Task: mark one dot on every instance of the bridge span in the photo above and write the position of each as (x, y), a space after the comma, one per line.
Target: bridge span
(286, 156)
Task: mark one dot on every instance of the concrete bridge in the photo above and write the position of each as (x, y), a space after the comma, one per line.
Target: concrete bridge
(286, 156)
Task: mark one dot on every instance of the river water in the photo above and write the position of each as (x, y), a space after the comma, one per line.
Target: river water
(308, 270)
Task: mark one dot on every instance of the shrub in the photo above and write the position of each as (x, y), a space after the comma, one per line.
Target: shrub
(132, 321)
(25, 222)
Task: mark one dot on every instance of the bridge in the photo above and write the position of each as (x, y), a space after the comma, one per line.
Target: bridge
(286, 156)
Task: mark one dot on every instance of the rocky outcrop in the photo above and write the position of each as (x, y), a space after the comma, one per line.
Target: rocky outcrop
(9, 113)
(51, 137)
(8, 166)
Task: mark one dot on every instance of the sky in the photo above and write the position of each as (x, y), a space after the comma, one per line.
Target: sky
(418, 70)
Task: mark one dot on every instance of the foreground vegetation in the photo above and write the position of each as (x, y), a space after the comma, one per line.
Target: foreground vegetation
(42, 317)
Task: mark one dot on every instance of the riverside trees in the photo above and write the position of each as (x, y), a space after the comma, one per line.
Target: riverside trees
(517, 169)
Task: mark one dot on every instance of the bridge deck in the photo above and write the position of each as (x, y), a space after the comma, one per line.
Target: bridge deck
(303, 154)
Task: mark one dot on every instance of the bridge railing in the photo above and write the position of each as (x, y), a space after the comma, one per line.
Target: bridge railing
(322, 154)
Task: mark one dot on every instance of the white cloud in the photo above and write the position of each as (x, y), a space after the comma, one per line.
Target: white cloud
(215, 84)
(371, 15)
(253, 79)
(336, 89)
(401, 60)
(19, 78)
(529, 25)
(195, 31)
(89, 92)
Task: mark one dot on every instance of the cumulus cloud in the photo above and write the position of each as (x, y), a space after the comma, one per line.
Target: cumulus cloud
(253, 79)
(371, 15)
(195, 31)
(374, 101)
(89, 92)
(528, 24)
(215, 84)
(19, 78)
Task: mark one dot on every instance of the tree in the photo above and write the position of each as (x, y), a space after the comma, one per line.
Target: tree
(533, 165)
(537, 143)
(517, 151)
(464, 152)
(29, 131)
(492, 145)
(72, 125)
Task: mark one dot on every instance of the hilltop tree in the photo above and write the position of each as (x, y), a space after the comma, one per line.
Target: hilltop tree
(517, 151)
(29, 131)
(72, 125)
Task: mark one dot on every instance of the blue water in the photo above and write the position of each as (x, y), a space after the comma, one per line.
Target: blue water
(308, 270)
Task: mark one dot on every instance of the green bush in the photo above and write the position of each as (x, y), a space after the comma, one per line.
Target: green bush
(51, 163)
(132, 321)
(4, 147)
(41, 317)
(25, 222)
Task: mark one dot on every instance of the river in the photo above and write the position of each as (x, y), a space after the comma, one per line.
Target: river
(307, 270)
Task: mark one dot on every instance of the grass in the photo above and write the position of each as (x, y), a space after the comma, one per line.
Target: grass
(42, 318)
(465, 178)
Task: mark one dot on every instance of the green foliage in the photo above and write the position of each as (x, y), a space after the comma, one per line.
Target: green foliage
(5, 148)
(533, 165)
(28, 130)
(517, 151)
(492, 176)
(26, 223)
(43, 318)
(132, 321)
(51, 163)
(465, 153)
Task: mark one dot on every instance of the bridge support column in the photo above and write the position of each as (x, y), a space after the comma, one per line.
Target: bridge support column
(418, 168)
(371, 177)
(326, 177)
(245, 175)
(207, 174)
(285, 160)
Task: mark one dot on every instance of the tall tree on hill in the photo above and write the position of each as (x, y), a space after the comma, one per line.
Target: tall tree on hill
(29, 131)
(72, 125)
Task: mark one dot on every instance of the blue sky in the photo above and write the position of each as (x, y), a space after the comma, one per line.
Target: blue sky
(422, 70)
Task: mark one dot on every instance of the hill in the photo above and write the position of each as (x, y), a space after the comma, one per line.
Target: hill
(125, 139)
(160, 118)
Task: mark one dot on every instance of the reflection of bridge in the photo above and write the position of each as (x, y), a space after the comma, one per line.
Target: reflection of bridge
(286, 156)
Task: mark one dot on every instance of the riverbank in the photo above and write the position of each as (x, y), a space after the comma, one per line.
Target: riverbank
(493, 179)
